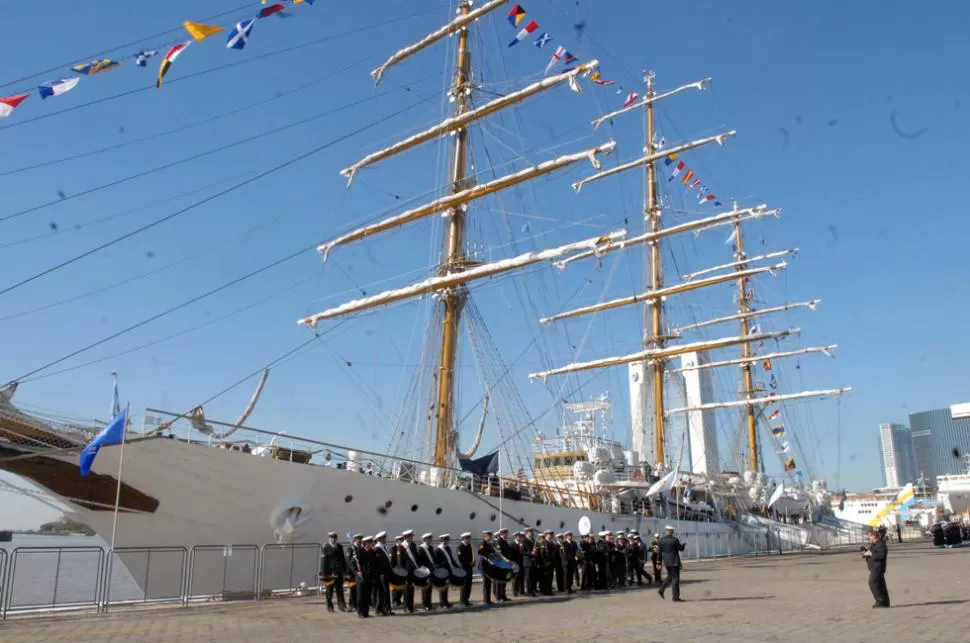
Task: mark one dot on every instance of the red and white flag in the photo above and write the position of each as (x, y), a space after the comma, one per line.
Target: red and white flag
(632, 96)
(775, 414)
(526, 30)
(556, 57)
(9, 103)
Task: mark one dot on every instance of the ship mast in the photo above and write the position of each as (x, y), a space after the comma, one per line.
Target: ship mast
(655, 306)
(453, 300)
(744, 308)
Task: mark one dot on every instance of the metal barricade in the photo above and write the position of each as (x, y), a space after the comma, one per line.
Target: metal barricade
(3, 582)
(287, 568)
(79, 589)
(158, 574)
(222, 572)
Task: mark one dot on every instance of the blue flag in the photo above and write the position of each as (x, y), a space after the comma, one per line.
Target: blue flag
(114, 433)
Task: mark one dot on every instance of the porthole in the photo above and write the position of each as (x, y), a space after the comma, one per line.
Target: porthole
(382, 511)
(603, 528)
(414, 507)
(562, 523)
(348, 498)
(437, 511)
(471, 516)
(387, 505)
(538, 522)
(492, 517)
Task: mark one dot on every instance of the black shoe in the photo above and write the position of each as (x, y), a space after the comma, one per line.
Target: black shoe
(678, 600)
(661, 592)
(571, 591)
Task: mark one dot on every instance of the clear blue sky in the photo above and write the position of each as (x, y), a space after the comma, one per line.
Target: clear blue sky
(846, 116)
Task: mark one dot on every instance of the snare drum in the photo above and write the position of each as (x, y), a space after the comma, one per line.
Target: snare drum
(457, 577)
(399, 579)
(420, 577)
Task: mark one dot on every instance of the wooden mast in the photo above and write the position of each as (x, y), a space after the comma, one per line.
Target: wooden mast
(655, 339)
(454, 299)
(744, 306)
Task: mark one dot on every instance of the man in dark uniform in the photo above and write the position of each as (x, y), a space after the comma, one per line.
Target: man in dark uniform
(570, 554)
(426, 559)
(527, 551)
(670, 548)
(365, 576)
(334, 568)
(588, 549)
(619, 560)
(636, 560)
(444, 559)
(410, 557)
(355, 546)
(398, 560)
(504, 548)
(547, 559)
(559, 566)
(655, 558)
(466, 558)
(517, 584)
(875, 557)
(382, 576)
(602, 560)
(485, 549)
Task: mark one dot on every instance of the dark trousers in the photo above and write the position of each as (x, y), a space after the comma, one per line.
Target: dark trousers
(672, 580)
(560, 577)
(352, 601)
(877, 585)
(570, 575)
(500, 591)
(381, 596)
(525, 579)
(443, 597)
(364, 590)
(426, 597)
(466, 589)
(657, 569)
(409, 597)
(589, 575)
(486, 589)
(338, 589)
(545, 582)
(397, 596)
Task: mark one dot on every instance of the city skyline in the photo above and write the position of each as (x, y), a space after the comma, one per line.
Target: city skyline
(898, 461)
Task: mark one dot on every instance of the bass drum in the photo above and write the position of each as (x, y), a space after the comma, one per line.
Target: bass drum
(420, 577)
(439, 577)
(499, 569)
(457, 577)
(399, 579)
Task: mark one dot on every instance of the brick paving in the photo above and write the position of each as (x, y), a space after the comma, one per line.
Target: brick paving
(791, 598)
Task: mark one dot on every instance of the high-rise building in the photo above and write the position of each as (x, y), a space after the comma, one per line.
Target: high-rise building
(898, 460)
(701, 425)
(939, 443)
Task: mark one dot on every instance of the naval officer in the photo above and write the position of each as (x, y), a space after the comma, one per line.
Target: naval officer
(670, 548)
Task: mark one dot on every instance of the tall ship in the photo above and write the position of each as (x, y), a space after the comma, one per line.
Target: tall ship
(192, 480)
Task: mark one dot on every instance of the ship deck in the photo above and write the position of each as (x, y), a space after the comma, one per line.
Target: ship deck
(823, 596)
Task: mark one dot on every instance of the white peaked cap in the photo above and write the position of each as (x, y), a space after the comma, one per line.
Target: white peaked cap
(467, 534)
(444, 537)
(603, 533)
(669, 528)
(427, 535)
(382, 534)
(409, 532)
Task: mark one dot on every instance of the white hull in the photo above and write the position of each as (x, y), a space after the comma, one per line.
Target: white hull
(954, 493)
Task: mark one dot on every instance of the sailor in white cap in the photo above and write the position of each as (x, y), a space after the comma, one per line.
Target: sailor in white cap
(355, 546)
(382, 576)
(398, 561)
(527, 574)
(466, 559)
(505, 549)
(636, 558)
(444, 559)
(486, 549)
(365, 574)
(670, 548)
(570, 555)
(426, 559)
(333, 568)
(410, 563)
(653, 551)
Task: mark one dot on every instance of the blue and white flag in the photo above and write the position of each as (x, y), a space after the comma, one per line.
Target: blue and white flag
(57, 87)
(141, 58)
(239, 35)
(542, 40)
(114, 433)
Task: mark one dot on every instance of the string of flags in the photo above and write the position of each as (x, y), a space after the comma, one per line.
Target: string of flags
(778, 433)
(237, 38)
(518, 18)
(689, 179)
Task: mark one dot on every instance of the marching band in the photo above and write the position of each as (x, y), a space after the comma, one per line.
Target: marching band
(387, 577)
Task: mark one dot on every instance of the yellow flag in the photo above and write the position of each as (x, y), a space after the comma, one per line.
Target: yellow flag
(200, 31)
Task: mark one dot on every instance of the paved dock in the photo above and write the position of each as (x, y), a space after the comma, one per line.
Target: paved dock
(798, 597)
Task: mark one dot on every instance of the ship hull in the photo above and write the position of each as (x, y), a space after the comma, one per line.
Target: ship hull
(215, 497)
(954, 493)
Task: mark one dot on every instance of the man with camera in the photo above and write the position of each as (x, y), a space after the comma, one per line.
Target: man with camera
(875, 555)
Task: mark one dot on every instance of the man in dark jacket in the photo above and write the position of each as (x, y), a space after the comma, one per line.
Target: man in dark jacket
(365, 571)
(670, 548)
(466, 558)
(525, 578)
(570, 553)
(876, 560)
(333, 569)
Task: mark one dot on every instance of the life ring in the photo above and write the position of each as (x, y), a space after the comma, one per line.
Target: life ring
(637, 475)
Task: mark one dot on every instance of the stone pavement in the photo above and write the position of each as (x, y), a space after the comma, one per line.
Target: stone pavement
(791, 598)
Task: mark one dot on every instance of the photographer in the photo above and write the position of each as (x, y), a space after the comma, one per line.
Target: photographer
(875, 555)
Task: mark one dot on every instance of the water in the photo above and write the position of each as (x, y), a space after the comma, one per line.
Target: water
(38, 577)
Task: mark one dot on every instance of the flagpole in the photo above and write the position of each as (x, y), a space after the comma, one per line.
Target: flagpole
(114, 521)
(501, 491)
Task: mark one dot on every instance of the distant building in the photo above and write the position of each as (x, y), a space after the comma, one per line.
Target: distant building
(939, 442)
(701, 425)
(898, 460)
